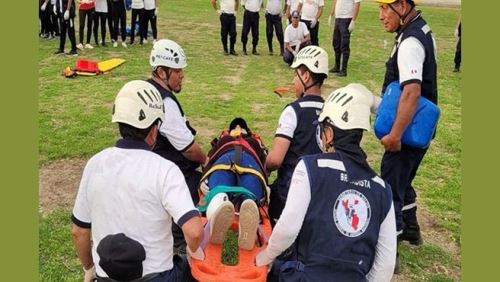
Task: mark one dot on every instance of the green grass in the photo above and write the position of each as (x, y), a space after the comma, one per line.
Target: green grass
(75, 114)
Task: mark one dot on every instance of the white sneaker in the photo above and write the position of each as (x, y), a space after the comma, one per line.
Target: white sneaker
(79, 46)
(88, 46)
(249, 222)
(154, 41)
(115, 44)
(124, 44)
(221, 221)
(145, 41)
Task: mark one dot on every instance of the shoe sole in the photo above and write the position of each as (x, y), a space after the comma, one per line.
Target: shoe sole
(249, 222)
(221, 222)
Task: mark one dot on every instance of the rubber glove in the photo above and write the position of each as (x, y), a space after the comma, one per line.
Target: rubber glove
(199, 254)
(351, 26)
(313, 23)
(90, 274)
(54, 9)
(66, 15)
(44, 6)
(156, 12)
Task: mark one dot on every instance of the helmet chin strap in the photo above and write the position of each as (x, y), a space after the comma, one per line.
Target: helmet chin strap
(402, 18)
(164, 80)
(303, 84)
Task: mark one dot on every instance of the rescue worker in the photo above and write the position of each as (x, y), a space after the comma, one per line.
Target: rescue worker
(338, 213)
(413, 63)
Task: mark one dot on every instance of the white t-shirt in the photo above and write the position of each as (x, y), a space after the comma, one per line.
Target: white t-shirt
(101, 6)
(252, 5)
(293, 4)
(149, 4)
(273, 7)
(228, 6)
(297, 203)
(295, 34)
(344, 8)
(310, 9)
(135, 192)
(137, 4)
(174, 127)
(411, 56)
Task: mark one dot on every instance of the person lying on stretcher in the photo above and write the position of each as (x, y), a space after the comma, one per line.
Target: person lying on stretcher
(234, 180)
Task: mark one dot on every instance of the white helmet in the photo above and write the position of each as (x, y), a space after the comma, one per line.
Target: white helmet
(167, 53)
(348, 107)
(138, 104)
(314, 58)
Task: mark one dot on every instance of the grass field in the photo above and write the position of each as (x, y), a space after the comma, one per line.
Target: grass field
(75, 115)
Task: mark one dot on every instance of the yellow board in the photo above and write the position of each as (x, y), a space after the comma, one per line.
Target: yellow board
(84, 73)
(108, 65)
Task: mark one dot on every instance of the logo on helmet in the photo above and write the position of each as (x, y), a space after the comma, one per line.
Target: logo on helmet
(142, 115)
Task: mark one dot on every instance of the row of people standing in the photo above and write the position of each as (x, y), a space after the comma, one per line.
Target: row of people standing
(95, 14)
(303, 29)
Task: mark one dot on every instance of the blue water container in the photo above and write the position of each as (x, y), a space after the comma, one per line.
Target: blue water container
(423, 125)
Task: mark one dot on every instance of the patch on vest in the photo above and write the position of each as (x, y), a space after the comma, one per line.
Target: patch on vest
(351, 213)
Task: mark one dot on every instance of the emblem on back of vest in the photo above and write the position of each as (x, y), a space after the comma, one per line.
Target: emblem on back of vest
(351, 213)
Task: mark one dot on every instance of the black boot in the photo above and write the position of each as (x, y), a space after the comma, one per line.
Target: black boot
(343, 69)
(232, 52)
(457, 69)
(336, 68)
(397, 266)
(411, 233)
(245, 50)
(225, 51)
(254, 51)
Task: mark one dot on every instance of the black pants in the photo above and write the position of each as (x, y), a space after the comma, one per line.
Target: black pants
(119, 18)
(54, 21)
(109, 18)
(274, 21)
(149, 17)
(458, 53)
(100, 17)
(341, 42)
(250, 22)
(313, 32)
(228, 27)
(69, 28)
(399, 170)
(44, 21)
(288, 56)
(137, 17)
(82, 16)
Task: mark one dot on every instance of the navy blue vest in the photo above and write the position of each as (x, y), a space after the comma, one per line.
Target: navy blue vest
(304, 141)
(340, 231)
(419, 29)
(163, 147)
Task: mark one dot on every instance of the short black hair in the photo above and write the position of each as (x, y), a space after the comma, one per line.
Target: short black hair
(318, 78)
(129, 132)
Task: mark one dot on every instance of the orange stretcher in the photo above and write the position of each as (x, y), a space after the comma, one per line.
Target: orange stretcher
(211, 268)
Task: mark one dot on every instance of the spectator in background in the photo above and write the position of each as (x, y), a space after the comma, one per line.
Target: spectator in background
(85, 13)
(150, 15)
(137, 18)
(458, 51)
(119, 19)
(296, 37)
(310, 12)
(273, 20)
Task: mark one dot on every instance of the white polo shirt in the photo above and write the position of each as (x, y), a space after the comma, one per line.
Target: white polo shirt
(252, 5)
(101, 6)
(273, 7)
(149, 4)
(293, 4)
(411, 57)
(295, 34)
(174, 127)
(129, 189)
(137, 4)
(228, 6)
(344, 8)
(310, 9)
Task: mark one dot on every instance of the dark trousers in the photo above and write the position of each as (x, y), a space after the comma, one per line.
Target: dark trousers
(274, 21)
(119, 18)
(109, 18)
(341, 41)
(54, 20)
(399, 170)
(313, 32)
(69, 28)
(228, 27)
(87, 15)
(137, 17)
(458, 53)
(288, 56)
(100, 18)
(45, 21)
(250, 22)
(149, 17)
(192, 180)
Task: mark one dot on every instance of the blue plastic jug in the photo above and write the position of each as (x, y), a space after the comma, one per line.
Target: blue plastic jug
(423, 125)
